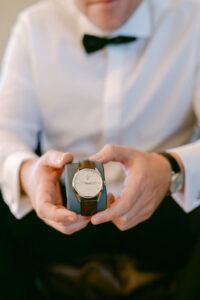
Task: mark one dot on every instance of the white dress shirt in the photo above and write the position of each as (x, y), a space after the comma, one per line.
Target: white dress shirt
(145, 94)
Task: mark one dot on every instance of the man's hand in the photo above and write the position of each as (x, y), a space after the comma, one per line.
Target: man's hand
(146, 184)
(40, 182)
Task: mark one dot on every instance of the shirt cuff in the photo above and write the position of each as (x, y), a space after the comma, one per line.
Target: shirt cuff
(190, 156)
(19, 204)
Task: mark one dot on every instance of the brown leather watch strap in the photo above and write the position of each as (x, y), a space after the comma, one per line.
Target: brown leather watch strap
(88, 207)
(86, 164)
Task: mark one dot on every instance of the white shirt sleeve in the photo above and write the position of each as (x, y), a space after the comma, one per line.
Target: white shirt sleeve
(190, 155)
(19, 204)
(19, 117)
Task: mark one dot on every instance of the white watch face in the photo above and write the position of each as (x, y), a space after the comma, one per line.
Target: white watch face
(87, 183)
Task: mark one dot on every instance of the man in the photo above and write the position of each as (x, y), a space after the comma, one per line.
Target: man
(138, 95)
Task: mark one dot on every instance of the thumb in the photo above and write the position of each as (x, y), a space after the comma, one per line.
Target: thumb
(56, 159)
(120, 154)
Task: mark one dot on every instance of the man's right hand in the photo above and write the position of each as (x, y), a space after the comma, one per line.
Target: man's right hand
(39, 180)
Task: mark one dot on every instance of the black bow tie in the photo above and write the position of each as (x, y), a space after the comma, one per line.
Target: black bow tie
(93, 43)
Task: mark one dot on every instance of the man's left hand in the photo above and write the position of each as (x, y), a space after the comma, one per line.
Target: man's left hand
(146, 184)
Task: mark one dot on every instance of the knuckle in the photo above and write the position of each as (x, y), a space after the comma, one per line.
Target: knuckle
(109, 148)
(56, 219)
(67, 231)
(147, 215)
(140, 181)
(122, 227)
(71, 231)
(151, 207)
(49, 152)
(39, 212)
(46, 222)
(128, 205)
(123, 220)
(84, 225)
(121, 223)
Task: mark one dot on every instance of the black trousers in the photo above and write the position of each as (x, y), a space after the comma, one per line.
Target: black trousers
(168, 241)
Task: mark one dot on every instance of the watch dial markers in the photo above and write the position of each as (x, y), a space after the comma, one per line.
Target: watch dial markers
(88, 183)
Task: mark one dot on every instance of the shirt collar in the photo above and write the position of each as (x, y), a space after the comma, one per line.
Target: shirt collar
(138, 25)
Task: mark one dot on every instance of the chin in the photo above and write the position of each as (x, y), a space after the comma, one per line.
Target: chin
(108, 24)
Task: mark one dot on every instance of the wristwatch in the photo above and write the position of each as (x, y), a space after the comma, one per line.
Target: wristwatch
(88, 185)
(177, 178)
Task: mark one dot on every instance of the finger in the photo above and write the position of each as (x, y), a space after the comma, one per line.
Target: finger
(80, 219)
(132, 219)
(127, 226)
(83, 218)
(77, 227)
(56, 213)
(113, 211)
(56, 159)
(120, 206)
(48, 191)
(67, 229)
(49, 205)
(114, 153)
(142, 211)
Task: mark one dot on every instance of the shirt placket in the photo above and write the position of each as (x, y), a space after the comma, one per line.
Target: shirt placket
(113, 96)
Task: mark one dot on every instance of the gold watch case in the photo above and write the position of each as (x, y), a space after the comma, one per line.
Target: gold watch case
(91, 174)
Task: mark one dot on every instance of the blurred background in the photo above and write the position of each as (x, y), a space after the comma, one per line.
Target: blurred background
(9, 9)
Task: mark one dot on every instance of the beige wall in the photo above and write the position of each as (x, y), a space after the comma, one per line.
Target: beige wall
(9, 10)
